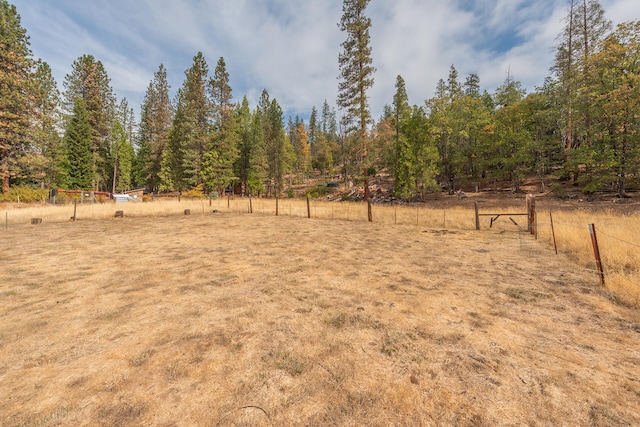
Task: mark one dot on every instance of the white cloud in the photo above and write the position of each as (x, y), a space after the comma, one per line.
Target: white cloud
(291, 47)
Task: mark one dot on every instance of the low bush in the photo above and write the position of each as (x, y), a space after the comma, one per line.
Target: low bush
(319, 191)
(25, 194)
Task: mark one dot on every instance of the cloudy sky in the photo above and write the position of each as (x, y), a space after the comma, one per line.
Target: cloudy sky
(291, 47)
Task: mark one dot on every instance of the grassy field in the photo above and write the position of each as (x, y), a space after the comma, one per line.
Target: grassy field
(619, 234)
(228, 318)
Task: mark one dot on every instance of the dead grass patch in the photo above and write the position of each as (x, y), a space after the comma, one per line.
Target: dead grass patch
(229, 319)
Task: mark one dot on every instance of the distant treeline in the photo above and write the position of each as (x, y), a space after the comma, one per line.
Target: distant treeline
(581, 123)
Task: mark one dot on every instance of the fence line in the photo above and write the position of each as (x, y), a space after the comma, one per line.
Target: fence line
(621, 259)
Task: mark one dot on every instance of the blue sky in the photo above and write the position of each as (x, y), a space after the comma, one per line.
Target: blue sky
(291, 47)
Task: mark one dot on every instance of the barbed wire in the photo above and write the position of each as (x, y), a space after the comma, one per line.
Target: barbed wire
(618, 239)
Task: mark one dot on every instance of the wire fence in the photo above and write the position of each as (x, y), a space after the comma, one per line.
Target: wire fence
(565, 231)
(610, 252)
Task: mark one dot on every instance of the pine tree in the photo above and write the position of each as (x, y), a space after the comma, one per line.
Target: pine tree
(89, 80)
(155, 124)
(257, 171)
(274, 142)
(586, 26)
(404, 162)
(244, 164)
(46, 142)
(189, 139)
(78, 141)
(313, 129)
(223, 148)
(122, 158)
(16, 106)
(356, 77)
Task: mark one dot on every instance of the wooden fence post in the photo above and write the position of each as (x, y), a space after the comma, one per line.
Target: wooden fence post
(531, 214)
(276, 205)
(308, 208)
(553, 233)
(250, 205)
(534, 219)
(596, 251)
(369, 215)
(475, 204)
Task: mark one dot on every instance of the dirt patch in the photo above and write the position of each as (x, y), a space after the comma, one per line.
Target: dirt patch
(232, 319)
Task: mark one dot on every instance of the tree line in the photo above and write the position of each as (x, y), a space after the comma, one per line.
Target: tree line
(580, 124)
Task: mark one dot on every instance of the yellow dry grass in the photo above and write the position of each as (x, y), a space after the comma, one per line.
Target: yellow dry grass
(237, 319)
(618, 234)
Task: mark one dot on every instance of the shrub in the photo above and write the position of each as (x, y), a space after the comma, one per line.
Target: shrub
(24, 193)
(194, 193)
(319, 191)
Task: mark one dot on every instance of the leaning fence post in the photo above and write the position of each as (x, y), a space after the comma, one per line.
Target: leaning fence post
(596, 251)
(553, 233)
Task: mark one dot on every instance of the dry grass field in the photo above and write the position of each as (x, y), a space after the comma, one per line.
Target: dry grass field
(231, 319)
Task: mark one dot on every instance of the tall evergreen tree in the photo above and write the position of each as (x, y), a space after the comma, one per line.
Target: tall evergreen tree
(585, 27)
(313, 128)
(356, 77)
(78, 141)
(47, 143)
(222, 151)
(274, 141)
(189, 139)
(249, 166)
(404, 162)
(16, 106)
(89, 80)
(156, 118)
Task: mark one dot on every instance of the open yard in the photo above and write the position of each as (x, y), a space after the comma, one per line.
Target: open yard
(233, 319)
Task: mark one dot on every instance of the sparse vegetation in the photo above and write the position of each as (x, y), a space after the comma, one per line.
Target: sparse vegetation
(151, 319)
